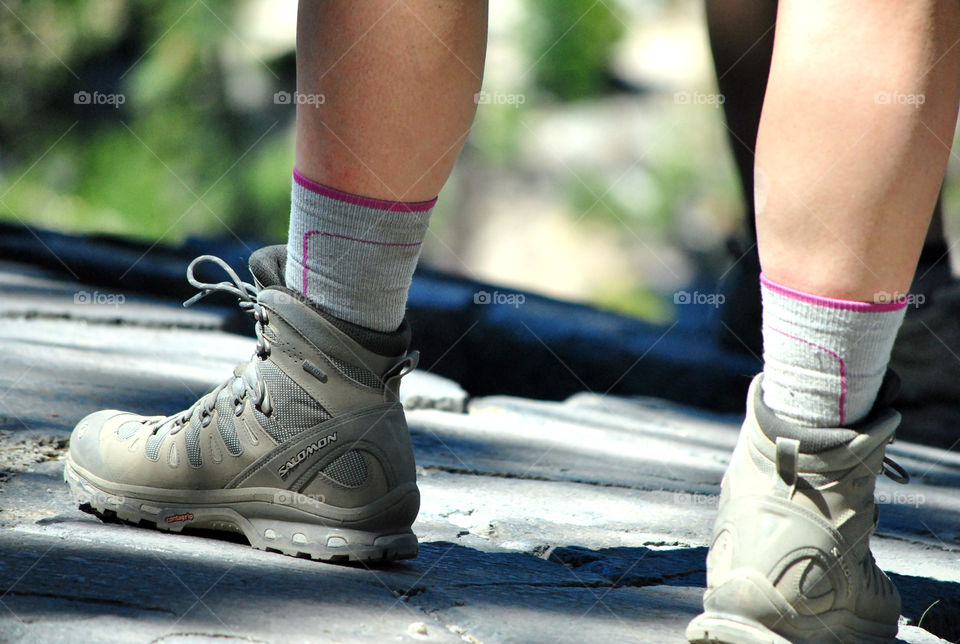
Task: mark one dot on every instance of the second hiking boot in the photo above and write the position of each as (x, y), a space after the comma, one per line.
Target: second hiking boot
(790, 559)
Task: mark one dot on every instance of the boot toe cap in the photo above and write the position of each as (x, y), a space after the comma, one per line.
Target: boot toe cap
(87, 438)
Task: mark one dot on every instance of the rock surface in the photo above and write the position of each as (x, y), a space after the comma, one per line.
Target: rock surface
(573, 521)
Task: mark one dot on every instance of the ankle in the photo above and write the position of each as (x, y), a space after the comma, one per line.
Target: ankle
(353, 256)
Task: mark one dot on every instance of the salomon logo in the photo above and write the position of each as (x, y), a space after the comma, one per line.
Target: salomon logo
(287, 467)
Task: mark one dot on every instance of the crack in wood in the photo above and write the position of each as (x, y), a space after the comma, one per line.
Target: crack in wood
(98, 601)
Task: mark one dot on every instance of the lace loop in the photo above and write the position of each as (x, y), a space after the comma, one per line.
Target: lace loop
(894, 471)
(247, 382)
(245, 292)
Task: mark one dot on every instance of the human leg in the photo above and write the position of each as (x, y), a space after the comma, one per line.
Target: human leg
(305, 449)
(741, 40)
(849, 164)
(398, 83)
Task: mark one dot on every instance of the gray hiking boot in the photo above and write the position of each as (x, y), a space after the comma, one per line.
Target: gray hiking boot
(304, 450)
(790, 559)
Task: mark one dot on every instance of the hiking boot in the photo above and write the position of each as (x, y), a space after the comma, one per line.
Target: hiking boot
(790, 559)
(304, 449)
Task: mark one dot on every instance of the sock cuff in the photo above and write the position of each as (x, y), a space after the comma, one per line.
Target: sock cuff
(358, 200)
(824, 358)
(830, 302)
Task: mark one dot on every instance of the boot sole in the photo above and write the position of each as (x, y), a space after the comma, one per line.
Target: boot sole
(720, 628)
(734, 610)
(713, 628)
(273, 520)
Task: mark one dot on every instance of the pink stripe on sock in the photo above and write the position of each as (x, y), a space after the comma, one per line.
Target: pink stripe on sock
(843, 367)
(367, 202)
(303, 282)
(832, 303)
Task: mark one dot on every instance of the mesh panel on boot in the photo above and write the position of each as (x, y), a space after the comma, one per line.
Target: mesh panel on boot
(156, 440)
(293, 408)
(127, 430)
(357, 374)
(193, 440)
(225, 420)
(350, 470)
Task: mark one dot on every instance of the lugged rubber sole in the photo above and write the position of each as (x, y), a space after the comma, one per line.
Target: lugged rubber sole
(721, 628)
(739, 610)
(711, 628)
(269, 521)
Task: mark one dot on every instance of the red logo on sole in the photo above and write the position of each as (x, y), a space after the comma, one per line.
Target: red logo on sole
(177, 518)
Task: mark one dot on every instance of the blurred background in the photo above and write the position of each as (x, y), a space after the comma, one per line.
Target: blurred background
(590, 174)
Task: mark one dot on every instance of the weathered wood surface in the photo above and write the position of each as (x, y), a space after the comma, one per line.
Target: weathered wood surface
(584, 520)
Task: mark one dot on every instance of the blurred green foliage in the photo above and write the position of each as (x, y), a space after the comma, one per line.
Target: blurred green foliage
(163, 163)
(198, 146)
(178, 156)
(571, 45)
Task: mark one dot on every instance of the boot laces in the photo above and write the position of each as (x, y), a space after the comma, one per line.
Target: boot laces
(248, 382)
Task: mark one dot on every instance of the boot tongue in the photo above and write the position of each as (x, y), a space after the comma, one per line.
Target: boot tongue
(268, 265)
(325, 334)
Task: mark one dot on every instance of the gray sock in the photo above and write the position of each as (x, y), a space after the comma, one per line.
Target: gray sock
(354, 256)
(823, 358)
